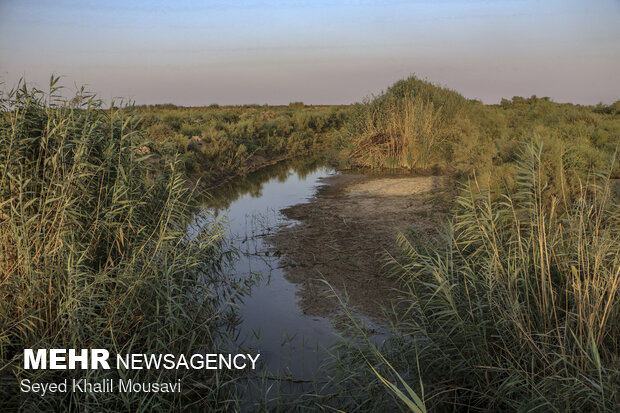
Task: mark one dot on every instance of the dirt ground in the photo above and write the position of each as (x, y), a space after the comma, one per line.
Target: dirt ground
(346, 231)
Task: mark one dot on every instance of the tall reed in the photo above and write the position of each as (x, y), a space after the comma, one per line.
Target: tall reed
(410, 126)
(94, 253)
(521, 309)
(418, 125)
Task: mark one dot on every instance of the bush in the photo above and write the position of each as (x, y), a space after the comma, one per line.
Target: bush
(418, 125)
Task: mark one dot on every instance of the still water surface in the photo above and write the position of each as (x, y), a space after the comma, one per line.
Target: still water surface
(291, 343)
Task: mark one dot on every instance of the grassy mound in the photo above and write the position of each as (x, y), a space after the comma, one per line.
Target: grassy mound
(411, 125)
(418, 125)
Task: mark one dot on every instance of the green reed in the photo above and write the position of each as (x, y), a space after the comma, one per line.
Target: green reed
(95, 253)
(520, 310)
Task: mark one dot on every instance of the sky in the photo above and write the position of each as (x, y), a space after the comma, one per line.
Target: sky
(318, 51)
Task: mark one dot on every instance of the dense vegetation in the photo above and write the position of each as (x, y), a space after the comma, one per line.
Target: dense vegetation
(215, 143)
(518, 308)
(94, 254)
(417, 125)
(515, 308)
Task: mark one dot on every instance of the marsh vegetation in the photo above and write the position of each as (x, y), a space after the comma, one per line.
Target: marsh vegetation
(510, 302)
(216, 143)
(93, 253)
(517, 306)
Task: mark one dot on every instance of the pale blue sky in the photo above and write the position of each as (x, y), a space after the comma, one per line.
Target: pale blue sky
(232, 52)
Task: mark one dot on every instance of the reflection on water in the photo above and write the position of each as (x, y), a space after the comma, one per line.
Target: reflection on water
(290, 342)
(269, 177)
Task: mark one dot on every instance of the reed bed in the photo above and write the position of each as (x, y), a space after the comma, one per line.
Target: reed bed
(94, 253)
(520, 310)
(218, 142)
(517, 309)
(408, 126)
(417, 125)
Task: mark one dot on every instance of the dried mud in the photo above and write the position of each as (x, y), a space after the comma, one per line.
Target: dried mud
(346, 232)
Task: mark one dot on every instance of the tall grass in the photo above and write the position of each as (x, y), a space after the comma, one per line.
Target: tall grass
(94, 253)
(216, 143)
(521, 309)
(410, 126)
(415, 124)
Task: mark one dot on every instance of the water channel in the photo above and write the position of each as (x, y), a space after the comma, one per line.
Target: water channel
(292, 344)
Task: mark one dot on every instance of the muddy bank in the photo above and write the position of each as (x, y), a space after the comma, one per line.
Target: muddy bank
(346, 231)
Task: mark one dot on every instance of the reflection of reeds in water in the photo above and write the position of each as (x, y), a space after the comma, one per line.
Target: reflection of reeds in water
(93, 254)
(252, 184)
